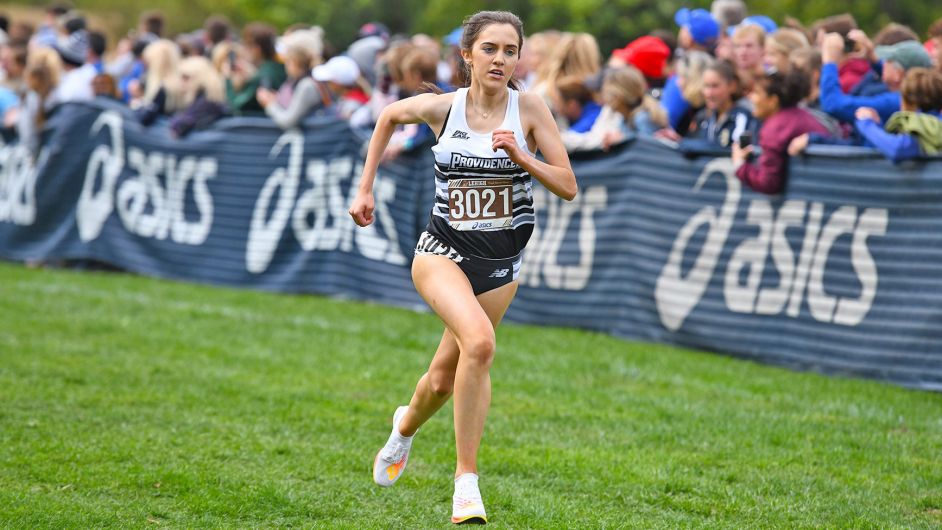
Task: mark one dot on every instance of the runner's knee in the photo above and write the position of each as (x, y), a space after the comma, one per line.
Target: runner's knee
(441, 383)
(479, 348)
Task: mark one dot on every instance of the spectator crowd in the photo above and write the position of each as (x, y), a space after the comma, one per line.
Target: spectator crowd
(720, 79)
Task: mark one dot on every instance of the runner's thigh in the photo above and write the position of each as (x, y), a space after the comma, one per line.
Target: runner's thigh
(495, 304)
(448, 292)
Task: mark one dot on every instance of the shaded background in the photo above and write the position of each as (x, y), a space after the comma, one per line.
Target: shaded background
(613, 22)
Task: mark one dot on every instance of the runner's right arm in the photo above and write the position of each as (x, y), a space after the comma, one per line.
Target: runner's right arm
(427, 108)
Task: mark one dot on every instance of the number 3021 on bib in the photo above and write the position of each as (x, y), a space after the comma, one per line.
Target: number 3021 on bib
(480, 204)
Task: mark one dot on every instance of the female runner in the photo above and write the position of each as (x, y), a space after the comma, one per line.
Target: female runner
(467, 261)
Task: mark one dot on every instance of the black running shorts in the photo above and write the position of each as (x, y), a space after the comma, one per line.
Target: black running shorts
(484, 274)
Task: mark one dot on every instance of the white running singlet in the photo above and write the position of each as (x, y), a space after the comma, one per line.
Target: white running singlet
(483, 200)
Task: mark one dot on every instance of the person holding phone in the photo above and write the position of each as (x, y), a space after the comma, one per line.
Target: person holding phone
(261, 70)
(775, 99)
(300, 94)
(745, 140)
(467, 261)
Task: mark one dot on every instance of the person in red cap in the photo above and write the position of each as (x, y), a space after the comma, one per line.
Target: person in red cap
(648, 54)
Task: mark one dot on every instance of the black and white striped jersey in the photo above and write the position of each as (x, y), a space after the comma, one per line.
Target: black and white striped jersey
(483, 200)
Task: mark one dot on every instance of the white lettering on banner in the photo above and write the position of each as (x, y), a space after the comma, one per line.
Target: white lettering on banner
(18, 184)
(542, 259)
(94, 208)
(872, 222)
(751, 253)
(265, 232)
(676, 296)
(333, 228)
(368, 240)
(325, 200)
(167, 215)
(790, 214)
(146, 207)
(319, 217)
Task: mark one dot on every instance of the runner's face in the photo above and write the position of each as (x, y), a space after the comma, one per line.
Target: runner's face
(494, 55)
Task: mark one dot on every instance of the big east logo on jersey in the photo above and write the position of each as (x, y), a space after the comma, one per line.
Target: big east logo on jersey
(801, 277)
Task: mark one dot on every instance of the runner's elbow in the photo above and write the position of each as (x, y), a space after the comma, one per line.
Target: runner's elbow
(570, 190)
(386, 118)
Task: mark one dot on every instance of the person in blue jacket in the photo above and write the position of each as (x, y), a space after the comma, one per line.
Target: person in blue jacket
(577, 103)
(896, 60)
(914, 131)
(682, 97)
(699, 32)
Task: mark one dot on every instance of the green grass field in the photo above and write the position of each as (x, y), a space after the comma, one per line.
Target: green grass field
(130, 402)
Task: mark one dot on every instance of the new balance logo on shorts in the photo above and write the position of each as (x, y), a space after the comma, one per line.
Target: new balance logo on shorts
(461, 135)
(499, 273)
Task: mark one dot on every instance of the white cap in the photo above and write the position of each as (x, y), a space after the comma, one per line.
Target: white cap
(341, 70)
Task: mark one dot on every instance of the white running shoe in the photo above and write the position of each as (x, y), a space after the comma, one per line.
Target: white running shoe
(466, 505)
(391, 460)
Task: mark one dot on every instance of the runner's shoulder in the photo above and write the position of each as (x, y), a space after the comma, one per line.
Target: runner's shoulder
(531, 101)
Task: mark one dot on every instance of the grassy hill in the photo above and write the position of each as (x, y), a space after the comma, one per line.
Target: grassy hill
(134, 402)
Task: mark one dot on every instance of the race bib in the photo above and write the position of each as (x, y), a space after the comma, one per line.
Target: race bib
(480, 204)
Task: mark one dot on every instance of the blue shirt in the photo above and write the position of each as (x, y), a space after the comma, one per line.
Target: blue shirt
(896, 147)
(843, 106)
(8, 100)
(137, 73)
(590, 112)
(672, 99)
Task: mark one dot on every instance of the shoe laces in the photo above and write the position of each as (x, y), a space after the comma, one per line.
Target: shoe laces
(468, 491)
(394, 451)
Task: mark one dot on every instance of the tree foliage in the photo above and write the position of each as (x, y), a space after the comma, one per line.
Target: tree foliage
(613, 22)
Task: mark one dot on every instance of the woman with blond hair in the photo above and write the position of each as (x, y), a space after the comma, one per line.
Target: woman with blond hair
(224, 55)
(310, 39)
(625, 91)
(780, 45)
(202, 96)
(683, 98)
(160, 92)
(43, 71)
(299, 95)
(576, 55)
(536, 50)
(628, 111)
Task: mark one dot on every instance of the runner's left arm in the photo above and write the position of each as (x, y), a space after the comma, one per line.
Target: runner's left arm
(556, 172)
